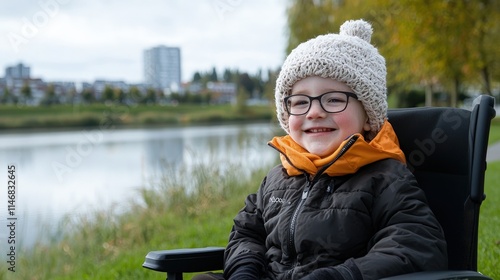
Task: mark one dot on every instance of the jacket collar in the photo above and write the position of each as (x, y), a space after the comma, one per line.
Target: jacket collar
(352, 154)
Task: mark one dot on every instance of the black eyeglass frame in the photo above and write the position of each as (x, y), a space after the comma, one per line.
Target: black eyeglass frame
(311, 99)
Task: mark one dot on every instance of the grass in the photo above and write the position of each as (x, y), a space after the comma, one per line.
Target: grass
(495, 130)
(112, 244)
(489, 220)
(95, 115)
(489, 225)
(107, 245)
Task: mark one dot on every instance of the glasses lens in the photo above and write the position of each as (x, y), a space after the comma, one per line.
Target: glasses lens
(298, 104)
(334, 101)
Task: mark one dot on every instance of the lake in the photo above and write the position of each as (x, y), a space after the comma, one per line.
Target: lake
(80, 171)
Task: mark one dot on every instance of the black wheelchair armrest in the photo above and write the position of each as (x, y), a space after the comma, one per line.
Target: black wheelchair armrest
(441, 275)
(177, 261)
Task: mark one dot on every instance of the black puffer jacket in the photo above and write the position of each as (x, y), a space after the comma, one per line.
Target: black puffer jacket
(367, 225)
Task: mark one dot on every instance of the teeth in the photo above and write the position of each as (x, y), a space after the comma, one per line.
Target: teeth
(315, 130)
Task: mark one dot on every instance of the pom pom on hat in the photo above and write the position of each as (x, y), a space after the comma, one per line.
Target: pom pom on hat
(346, 57)
(358, 28)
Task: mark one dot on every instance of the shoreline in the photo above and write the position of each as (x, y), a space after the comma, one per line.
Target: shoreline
(22, 130)
(66, 118)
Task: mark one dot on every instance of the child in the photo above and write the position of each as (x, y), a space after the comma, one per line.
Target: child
(341, 205)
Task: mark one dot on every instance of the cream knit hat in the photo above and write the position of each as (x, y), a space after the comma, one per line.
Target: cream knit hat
(346, 57)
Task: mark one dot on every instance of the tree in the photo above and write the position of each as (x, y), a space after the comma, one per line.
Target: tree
(135, 95)
(438, 29)
(269, 85)
(108, 94)
(230, 76)
(213, 76)
(484, 52)
(196, 77)
(71, 96)
(26, 92)
(50, 97)
(247, 83)
(452, 40)
(119, 95)
(88, 96)
(150, 97)
(7, 97)
(258, 83)
(241, 101)
(434, 44)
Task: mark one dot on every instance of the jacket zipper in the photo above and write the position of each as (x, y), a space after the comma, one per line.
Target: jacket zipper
(291, 234)
(292, 250)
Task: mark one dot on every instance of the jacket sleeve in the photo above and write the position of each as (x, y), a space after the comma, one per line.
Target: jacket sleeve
(246, 245)
(408, 237)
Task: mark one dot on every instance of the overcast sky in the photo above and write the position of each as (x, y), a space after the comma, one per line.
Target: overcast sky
(75, 40)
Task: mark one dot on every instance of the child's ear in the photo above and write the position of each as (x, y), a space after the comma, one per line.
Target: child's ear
(367, 126)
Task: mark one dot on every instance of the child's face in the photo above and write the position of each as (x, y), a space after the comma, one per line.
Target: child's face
(318, 131)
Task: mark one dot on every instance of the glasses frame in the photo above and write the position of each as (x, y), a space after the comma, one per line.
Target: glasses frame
(311, 99)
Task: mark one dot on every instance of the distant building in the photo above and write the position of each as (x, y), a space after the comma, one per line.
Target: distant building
(100, 85)
(65, 92)
(192, 87)
(18, 71)
(32, 91)
(15, 73)
(222, 92)
(162, 68)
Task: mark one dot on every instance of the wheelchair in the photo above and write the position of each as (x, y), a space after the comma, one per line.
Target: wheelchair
(446, 149)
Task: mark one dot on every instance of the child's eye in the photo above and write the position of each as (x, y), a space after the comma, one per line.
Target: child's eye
(334, 100)
(300, 102)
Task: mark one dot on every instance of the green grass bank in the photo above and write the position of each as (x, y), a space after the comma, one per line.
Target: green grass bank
(113, 115)
(112, 244)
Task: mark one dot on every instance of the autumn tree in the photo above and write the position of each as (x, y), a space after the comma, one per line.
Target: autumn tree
(433, 44)
(26, 92)
(119, 95)
(443, 42)
(88, 96)
(50, 97)
(135, 95)
(108, 94)
(7, 97)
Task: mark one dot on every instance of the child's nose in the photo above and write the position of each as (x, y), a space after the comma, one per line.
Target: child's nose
(316, 111)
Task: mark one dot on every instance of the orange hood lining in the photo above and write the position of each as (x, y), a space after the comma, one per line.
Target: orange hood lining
(298, 160)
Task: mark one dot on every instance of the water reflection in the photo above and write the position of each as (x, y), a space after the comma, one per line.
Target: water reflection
(80, 171)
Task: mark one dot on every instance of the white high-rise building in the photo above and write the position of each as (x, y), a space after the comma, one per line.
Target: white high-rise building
(162, 67)
(18, 71)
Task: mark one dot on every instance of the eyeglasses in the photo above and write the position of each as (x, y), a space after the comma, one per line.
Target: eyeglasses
(331, 102)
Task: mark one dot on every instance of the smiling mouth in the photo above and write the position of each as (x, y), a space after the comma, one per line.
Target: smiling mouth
(318, 130)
